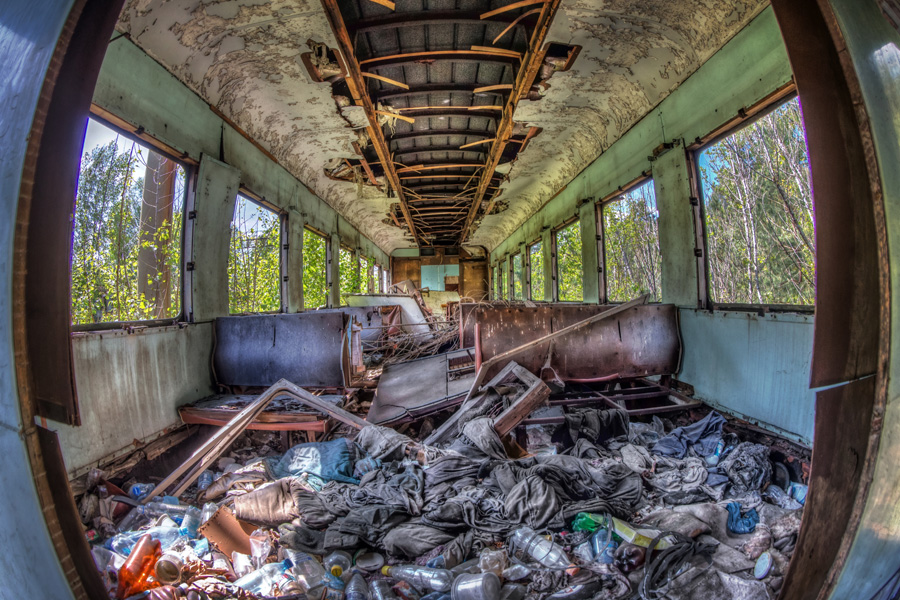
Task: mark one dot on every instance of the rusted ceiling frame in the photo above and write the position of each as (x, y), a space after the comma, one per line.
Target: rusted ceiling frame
(418, 19)
(440, 132)
(426, 149)
(531, 62)
(438, 88)
(454, 55)
(358, 90)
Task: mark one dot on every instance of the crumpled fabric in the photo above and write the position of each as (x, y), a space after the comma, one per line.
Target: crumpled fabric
(476, 507)
(587, 450)
(383, 443)
(533, 502)
(480, 432)
(448, 474)
(388, 486)
(413, 538)
(646, 434)
(597, 425)
(748, 467)
(369, 524)
(332, 461)
(676, 478)
(738, 523)
(700, 437)
(271, 504)
(299, 537)
(245, 479)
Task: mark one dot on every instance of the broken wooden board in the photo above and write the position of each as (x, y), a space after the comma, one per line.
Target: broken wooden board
(533, 396)
(421, 387)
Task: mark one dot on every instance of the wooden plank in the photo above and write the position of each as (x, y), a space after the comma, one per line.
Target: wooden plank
(490, 88)
(535, 396)
(509, 7)
(500, 51)
(386, 3)
(516, 22)
(395, 115)
(385, 79)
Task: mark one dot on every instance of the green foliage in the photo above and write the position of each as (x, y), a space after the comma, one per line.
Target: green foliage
(350, 275)
(759, 213)
(107, 240)
(517, 277)
(536, 256)
(504, 285)
(568, 261)
(254, 259)
(631, 237)
(371, 280)
(315, 289)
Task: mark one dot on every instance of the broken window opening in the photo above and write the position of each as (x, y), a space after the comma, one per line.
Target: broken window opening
(370, 275)
(127, 231)
(254, 259)
(758, 209)
(517, 276)
(378, 279)
(315, 282)
(349, 273)
(536, 261)
(631, 245)
(569, 278)
(502, 290)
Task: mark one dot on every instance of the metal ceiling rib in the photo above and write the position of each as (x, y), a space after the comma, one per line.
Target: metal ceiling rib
(428, 62)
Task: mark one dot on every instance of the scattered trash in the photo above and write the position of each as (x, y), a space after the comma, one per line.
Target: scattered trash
(741, 523)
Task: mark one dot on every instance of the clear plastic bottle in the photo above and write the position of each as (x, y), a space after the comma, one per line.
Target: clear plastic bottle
(438, 580)
(357, 588)
(205, 480)
(124, 542)
(308, 571)
(338, 563)
(381, 590)
(107, 559)
(540, 549)
(191, 522)
(262, 580)
(139, 491)
(209, 509)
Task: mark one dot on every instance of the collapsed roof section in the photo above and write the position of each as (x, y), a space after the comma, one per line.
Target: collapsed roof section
(418, 121)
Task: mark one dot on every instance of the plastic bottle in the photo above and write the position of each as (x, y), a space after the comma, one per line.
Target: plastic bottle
(262, 580)
(139, 491)
(381, 590)
(357, 588)
(168, 568)
(542, 550)
(107, 559)
(713, 459)
(438, 580)
(603, 546)
(190, 522)
(338, 563)
(137, 570)
(308, 571)
(205, 480)
(124, 542)
(209, 509)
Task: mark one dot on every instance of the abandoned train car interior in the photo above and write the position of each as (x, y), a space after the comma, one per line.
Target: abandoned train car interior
(450, 299)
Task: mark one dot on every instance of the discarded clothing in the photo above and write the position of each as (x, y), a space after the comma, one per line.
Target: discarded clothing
(534, 502)
(332, 461)
(383, 443)
(700, 437)
(412, 539)
(738, 523)
(271, 504)
(748, 467)
(595, 425)
(480, 432)
(386, 486)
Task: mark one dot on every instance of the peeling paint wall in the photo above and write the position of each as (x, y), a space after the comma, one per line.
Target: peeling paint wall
(243, 57)
(634, 54)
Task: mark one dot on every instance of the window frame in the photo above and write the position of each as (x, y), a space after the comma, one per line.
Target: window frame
(554, 261)
(282, 250)
(744, 118)
(326, 239)
(122, 128)
(645, 177)
(512, 276)
(528, 248)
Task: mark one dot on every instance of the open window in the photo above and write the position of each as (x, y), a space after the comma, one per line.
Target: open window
(536, 267)
(631, 244)
(517, 274)
(758, 212)
(349, 272)
(315, 283)
(568, 263)
(127, 232)
(254, 259)
(377, 278)
(370, 275)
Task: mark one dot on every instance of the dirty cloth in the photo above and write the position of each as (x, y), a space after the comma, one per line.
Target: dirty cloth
(748, 467)
(702, 583)
(475, 507)
(597, 425)
(480, 432)
(390, 486)
(738, 523)
(332, 461)
(271, 504)
(383, 443)
(701, 438)
(414, 538)
(646, 434)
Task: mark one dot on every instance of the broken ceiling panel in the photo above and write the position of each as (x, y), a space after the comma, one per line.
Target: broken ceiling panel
(634, 53)
(244, 58)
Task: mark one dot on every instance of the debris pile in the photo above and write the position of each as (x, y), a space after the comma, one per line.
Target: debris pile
(598, 507)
